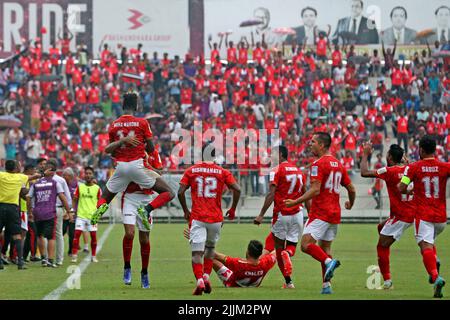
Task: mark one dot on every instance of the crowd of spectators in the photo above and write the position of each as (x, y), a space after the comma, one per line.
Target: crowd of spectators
(66, 100)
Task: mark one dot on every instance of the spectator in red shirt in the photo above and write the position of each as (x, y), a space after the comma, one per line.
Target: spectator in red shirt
(402, 131)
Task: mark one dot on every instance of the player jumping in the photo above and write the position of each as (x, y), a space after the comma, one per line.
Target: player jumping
(286, 182)
(132, 199)
(430, 186)
(130, 138)
(207, 181)
(327, 175)
(402, 210)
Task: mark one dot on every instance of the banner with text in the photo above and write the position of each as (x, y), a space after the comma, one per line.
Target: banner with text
(360, 22)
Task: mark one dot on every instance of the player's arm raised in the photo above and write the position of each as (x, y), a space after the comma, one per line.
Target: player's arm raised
(405, 181)
(182, 199)
(367, 151)
(236, 190)
(267, 202)
(313, 191)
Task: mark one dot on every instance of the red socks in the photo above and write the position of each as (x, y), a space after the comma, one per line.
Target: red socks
(145, 255)
(198, 270)
(383, 261)
(93, 243)
(429, 260)
(76, 241)
(127, 247)
(207, 266)
(316, 252)
(161, 200)
(270, 243)
(280, 260)
(100, 202)
(291, 249)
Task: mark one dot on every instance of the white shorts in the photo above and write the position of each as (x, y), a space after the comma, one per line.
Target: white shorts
(288, 227)
(204, 234)
(130, 204)
(133, 171)
(321, 230)
(428, 231)
(84, 225)
(394, 228)
(24, 220)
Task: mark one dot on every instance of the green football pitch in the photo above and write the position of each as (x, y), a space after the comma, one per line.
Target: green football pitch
(171, 275)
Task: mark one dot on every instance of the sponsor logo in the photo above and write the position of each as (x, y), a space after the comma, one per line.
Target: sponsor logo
(138, 19)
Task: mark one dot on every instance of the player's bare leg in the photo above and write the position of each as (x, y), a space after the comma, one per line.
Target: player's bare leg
(127, 248)
(430, 262)
(144, 241)
(383, 252)
(284, 262)
(197, 267)
(165, 194)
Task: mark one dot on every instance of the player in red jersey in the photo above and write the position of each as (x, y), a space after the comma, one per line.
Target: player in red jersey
(207, 181)
(402, 209)
(244, 273)
(248, 272)
(132, 199)
(286, 182)
(430, 183)
(327, 176)
(130, 138)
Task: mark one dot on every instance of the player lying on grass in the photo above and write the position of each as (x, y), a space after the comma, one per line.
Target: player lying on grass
(327, 176)
(248, 272)
(430, 188)
(286, 182)
(130, 137)
(402, 207)
(207, 181)
(132, 199)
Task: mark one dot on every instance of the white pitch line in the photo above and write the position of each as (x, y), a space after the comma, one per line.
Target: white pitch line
(56, 294)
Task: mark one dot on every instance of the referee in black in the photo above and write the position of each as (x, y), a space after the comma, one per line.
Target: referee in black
(12, 186)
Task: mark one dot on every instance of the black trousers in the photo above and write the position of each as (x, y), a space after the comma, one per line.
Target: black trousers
(69, 227)
(30, 244)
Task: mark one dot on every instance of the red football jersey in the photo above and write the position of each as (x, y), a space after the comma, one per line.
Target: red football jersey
(289, 181)
(401, 205)
(129, 125)
(207, 182)
(332, 176)
(430, 181)
(246, 274)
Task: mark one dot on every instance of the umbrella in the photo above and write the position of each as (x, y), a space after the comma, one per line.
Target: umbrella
(9, 122)
(424, 34)
(49, 77)
(359, 59)
(441, 54)
(284, 31)
(153, 116)
(132, 76)
(250, 23)
(228, 32)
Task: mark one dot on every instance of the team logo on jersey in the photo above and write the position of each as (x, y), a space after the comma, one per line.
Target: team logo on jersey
(314, 171)
(138, 19)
